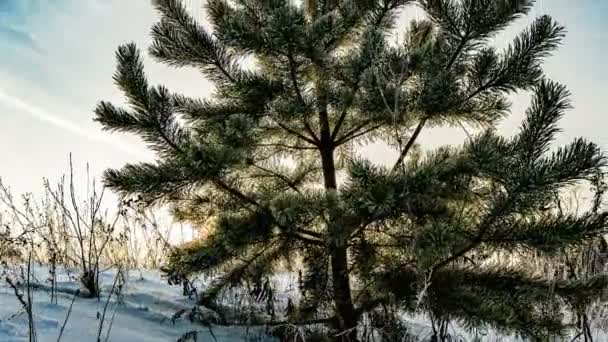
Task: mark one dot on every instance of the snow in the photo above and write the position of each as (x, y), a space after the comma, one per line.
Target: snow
(143, 314)
(145, 310)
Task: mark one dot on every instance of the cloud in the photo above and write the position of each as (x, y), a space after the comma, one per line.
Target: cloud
(19, 18)
(19, 37)
(14, 21)
(66, 125)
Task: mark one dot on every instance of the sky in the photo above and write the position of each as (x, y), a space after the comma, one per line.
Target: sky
(57, 61)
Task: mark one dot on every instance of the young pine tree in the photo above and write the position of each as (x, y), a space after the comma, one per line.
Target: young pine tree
(272, 156)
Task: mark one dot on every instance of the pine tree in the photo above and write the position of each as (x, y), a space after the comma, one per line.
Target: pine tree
(272, 157)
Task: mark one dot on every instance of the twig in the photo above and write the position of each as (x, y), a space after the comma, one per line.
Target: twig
(111, 324)
(105, 307)
(67, 317)
(30, 298)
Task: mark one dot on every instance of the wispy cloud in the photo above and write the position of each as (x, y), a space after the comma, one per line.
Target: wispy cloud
(66, 125)
(19, 17)
(19, 38)
(14, 19)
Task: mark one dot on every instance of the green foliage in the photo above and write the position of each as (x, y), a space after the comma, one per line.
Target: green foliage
(271, 157)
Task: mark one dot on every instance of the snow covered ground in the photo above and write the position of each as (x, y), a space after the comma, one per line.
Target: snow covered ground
(144, 315)
(144, 312)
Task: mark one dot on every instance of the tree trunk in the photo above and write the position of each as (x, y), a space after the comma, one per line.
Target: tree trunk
(342, 297)
(347, 317)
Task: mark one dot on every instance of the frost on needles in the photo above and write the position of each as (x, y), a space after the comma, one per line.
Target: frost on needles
(272, 158)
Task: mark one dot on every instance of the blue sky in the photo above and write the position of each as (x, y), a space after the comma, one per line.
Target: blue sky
(57, 60)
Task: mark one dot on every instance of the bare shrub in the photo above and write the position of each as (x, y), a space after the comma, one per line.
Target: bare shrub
(21, 285)
(64, 229)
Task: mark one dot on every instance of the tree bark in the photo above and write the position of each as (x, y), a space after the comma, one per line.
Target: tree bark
(347, 317)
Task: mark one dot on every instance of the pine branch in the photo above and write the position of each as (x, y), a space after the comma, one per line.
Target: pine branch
(234, 192)
(283, 178)
(336, 130)
(233, 275)
(409, 144)
(309, 240)
(296, 87)
(180, 41)
(152, 114)
(463, 40)
(444, 13)
(295, 133)
(351, 133)
(549, 232)
(290, 147)
(498, 211)
(454, 256)
(386, 9)
(356, 134)
(463, 43)
(549, 103)
(311, 233)
(130, 76)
